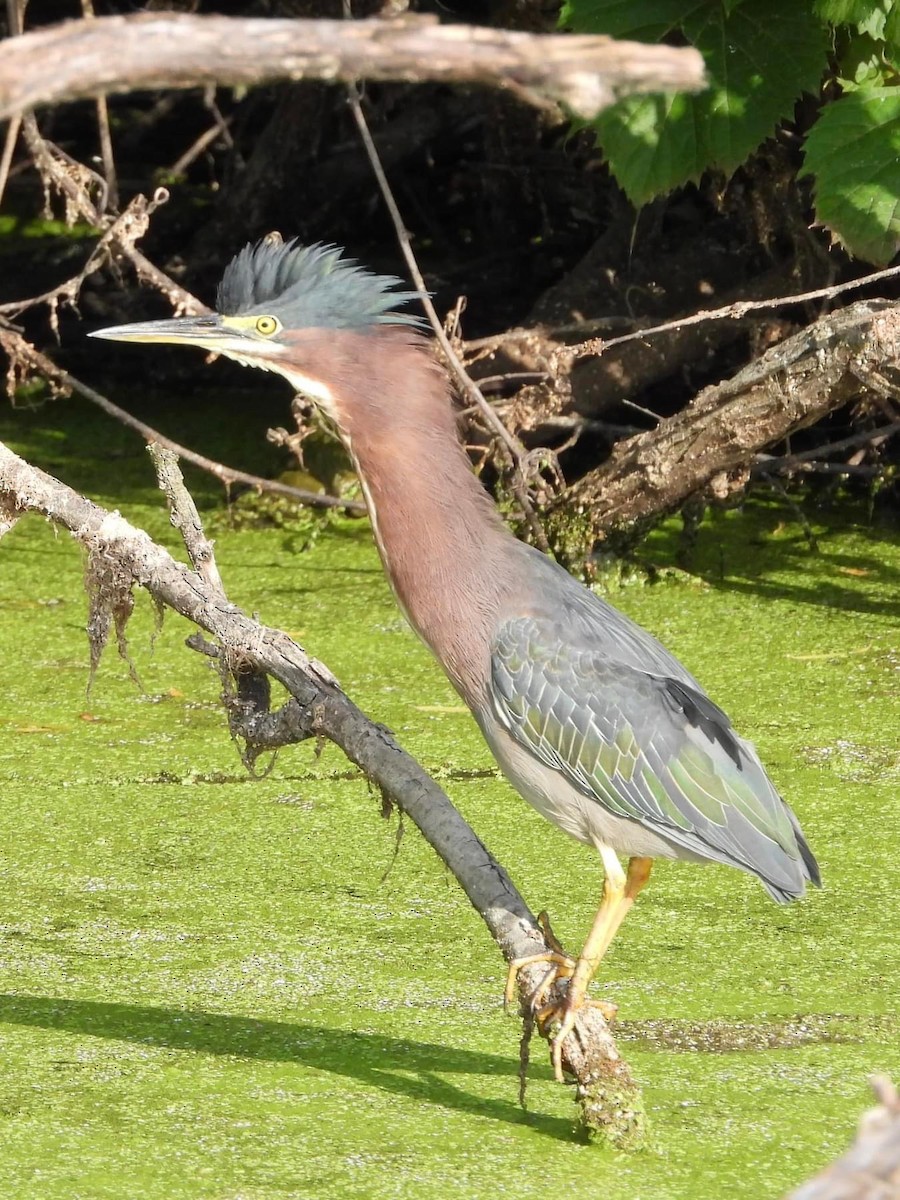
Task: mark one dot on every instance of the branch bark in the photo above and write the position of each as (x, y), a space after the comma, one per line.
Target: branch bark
(249, 652)
(711, 444)
(870, 1170)
(166, 50)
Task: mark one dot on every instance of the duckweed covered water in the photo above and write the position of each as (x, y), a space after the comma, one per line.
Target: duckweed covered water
(210, 989)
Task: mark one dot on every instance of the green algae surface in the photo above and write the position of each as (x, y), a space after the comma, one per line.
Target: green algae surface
(218, 987)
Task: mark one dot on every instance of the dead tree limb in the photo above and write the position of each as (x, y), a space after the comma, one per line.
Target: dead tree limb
(609, 1097)
(870, 1170)
(711, 444)
(166, 50)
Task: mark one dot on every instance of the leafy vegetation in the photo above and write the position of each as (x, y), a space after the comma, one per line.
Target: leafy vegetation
(761, 57)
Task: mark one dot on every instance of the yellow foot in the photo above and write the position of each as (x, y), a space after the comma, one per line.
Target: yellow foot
(562, 966)
(566, 1016)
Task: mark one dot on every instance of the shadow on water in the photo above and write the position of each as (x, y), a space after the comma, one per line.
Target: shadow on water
(824, 587)
(746, 556)
(416, 1070)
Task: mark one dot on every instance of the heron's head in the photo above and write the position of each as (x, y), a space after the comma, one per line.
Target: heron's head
(301, 311)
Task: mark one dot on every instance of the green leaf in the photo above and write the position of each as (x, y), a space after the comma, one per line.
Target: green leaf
(853, 152)
(652, 143)
(759, 58)
(848, 12)
(876, 22)
(637, 20)
(864, 64)
(877, 18)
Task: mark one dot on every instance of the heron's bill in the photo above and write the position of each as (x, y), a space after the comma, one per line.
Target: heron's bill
(183, 331)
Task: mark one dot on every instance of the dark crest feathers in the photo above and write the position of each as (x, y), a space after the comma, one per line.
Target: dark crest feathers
(310, 287)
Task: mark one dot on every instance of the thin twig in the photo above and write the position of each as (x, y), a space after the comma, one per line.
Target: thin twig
(497, 341)
(9, 148)
(734, 311)
(740, 309)
(765, 465)
(106, 153)
(867, 437)
(516, 452)
(205, 139)
(106, 150)
(226, 475)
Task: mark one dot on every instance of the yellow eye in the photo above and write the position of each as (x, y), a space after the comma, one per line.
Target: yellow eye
(267, 325)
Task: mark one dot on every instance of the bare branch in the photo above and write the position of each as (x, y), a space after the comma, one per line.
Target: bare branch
(711, 443)
(609, 1097)
(168, 50)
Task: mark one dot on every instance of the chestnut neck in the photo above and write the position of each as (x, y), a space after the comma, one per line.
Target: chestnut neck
(441, 539)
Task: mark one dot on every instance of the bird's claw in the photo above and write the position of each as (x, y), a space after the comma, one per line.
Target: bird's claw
(562, 966)
(566, 1015)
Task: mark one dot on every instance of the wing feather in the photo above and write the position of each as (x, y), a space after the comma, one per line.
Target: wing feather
(646, 746)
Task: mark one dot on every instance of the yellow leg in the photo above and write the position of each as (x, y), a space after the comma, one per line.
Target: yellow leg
(619, 893)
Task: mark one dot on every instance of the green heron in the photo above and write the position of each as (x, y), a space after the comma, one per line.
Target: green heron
(590, 718)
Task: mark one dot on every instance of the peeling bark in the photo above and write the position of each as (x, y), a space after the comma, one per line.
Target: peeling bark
(710, 445)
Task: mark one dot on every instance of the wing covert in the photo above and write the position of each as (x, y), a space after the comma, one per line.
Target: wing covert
(646, 747)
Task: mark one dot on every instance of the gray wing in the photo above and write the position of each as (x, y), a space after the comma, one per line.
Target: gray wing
(645, 744)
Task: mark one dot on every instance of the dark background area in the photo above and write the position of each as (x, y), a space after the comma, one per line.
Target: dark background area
(510, 207)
